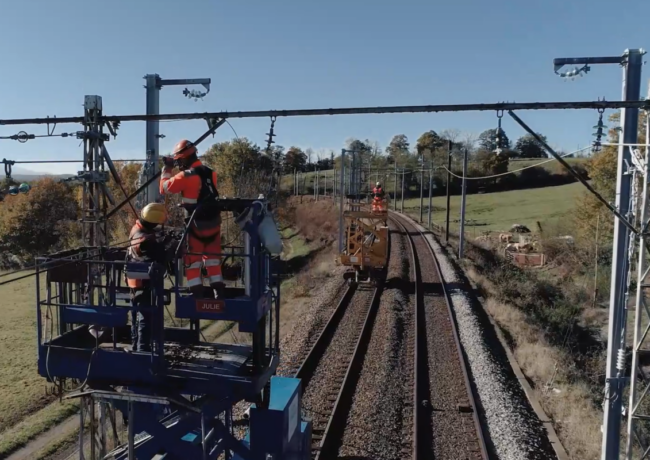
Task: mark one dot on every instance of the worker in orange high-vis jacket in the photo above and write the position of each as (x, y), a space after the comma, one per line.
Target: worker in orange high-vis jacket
(378, 197)
(197, 185)
(144, 247)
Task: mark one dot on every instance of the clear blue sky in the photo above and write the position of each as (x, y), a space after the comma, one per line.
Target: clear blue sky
(307, 54)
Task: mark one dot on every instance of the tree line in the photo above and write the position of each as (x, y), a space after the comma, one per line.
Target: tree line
(431, 145)
(47, 218)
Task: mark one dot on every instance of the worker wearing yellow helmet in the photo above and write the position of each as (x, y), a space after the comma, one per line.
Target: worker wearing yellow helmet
(144, 247)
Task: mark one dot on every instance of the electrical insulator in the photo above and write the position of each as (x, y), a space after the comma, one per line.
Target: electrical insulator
(600, 127)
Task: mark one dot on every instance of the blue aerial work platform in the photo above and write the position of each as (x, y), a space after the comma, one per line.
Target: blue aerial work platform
(178, 397)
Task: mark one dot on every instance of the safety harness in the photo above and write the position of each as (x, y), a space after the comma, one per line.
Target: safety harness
(208, 214)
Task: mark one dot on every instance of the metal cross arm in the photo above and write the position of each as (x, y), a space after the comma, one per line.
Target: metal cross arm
(558, 63)
(351, 111)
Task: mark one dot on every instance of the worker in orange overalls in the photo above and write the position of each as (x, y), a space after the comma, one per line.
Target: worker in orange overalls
(197, 185)
(378, 197)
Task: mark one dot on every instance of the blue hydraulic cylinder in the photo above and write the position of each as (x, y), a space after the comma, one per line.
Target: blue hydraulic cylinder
(279, 430)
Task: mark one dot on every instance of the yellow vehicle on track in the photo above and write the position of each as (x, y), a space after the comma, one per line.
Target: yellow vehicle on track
(365, 247)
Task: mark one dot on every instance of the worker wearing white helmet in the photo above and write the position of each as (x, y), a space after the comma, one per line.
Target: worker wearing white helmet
(378, 192)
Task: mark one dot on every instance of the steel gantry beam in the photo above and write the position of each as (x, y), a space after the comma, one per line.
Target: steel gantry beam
(638, 411)
(499, 106)
(630, 233)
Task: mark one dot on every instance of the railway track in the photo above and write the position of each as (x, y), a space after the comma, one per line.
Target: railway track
(337, 352)
(445, 420)
(445, 424)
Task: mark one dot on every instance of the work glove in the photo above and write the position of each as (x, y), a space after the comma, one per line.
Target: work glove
(168, 162)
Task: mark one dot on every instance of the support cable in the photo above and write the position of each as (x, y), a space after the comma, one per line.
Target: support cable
(573, 172)
(515, 170)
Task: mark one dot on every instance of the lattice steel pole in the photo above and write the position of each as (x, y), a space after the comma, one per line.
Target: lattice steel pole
(635, 411)
(615, 379)
(94, 203)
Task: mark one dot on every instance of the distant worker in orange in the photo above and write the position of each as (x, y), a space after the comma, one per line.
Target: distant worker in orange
(197, 185)
(378, 197)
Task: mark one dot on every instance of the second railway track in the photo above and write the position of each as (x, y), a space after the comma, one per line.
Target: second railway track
(446, 422)
(421, 374)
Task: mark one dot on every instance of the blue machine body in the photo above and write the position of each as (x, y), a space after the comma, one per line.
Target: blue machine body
(279, 429)
(196, 382)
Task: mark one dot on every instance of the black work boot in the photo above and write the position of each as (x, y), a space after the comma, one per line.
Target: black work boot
(219, 290)
(198, 291)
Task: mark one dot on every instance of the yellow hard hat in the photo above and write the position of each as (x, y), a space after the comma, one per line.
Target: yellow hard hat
(154, 213)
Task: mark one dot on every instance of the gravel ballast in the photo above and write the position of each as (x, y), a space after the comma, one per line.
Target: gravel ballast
(321, 304)
(453, 433)
(380, 422)
(513, 428)
(326, 380)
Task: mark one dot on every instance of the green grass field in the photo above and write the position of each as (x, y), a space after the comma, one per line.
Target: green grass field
(551, 166)
(25, 410)
(498, 211)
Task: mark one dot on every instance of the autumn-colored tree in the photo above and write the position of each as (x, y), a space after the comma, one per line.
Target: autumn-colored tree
(120, 224)
(235, 161)
(40, 221)
(398, 149)
(295, 159)
(590, 215)
(432, 146)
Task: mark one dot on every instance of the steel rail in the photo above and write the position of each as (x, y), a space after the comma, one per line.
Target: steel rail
(309, 364)
(492, 107)
(338, 419)
(418, 355)
(452, 319)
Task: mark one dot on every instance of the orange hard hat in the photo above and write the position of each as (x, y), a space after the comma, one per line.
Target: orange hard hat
(184, 149)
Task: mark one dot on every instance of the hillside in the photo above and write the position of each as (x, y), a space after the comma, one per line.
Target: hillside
(327, 176)
(498, 211)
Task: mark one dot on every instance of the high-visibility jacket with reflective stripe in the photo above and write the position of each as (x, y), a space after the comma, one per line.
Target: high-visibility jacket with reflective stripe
(185, 183)
(134, 253)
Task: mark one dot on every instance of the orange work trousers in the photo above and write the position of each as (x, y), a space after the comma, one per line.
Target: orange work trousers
(201, 245)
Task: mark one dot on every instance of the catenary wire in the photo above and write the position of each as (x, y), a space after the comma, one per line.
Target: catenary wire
(515, 170)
